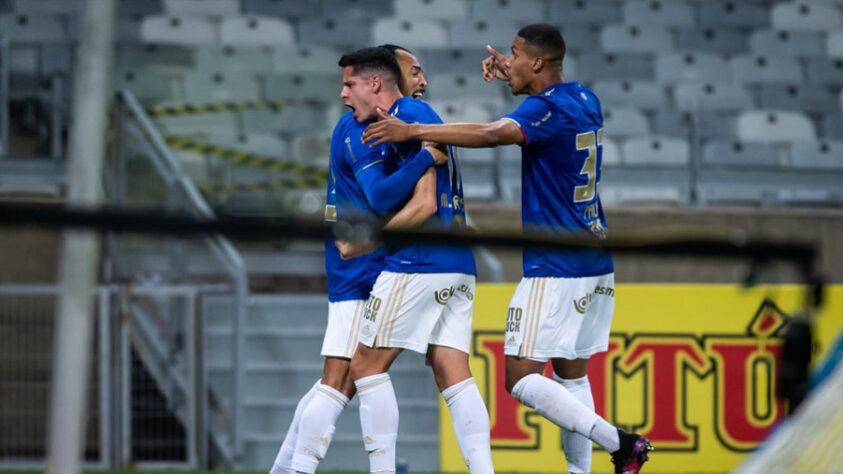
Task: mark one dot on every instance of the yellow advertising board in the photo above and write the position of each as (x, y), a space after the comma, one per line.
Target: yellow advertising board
(692, 367)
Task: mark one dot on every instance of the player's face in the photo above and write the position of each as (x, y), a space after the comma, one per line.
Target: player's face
(358, 95)
(413, 83)
(519, 65)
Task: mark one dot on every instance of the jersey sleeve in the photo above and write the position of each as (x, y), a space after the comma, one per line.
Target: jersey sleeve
(538, 119)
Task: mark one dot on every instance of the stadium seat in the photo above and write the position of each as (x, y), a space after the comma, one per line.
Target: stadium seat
(6, 6)
(127, 31)
(220, 8)
(24, 62)
(809, 197)
(834, 44)
(727, 41)
(311, 60)
(334, 32)
(53, 7)
(611, 152)
(658, 13)
(245, 59)
(699, 124)
(283, 9)
(733, 14)
(167, 59)
(56, 59)
(524, 11)
(580, 38)
(774, 126)
(825, 154)
(793, 97)
(751, 69)
(802, 15)
(432, 9)
(135, 9)
(741, 154)
(579, 12)
(410, 33)
(166, 29)
(656, 150)
(593, 66)
(478, 33)
(477, 168)
(731, 194)
(201, 127)
(712, 96)
(33, 29)
(304, 86)
(692, 67)
(261, 143)
(825, 72)
(461, 111)
(356, 9)
(774, 43)
(445, 87)
(312, 149)
(288, 120)
(148, 86)
(453, 60)
(256, 31)
(636, 39)
(832, 125)
(642, 94)
(622, 122)
(218, 85)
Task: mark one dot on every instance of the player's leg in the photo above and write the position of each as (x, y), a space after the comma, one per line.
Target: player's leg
(284, 459)
(319, 416)
(447, 353)
(572, 375)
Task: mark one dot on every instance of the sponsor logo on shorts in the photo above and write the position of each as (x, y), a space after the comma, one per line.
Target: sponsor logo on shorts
(513, 320)
(442, 295)
(604, 290)
(581, 303)
(366, 330)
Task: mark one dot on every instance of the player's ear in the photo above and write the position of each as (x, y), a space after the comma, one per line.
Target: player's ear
(538, 64)
(375, 83)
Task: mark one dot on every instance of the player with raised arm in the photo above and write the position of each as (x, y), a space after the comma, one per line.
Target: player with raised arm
(423, 299)
(350, 280)
(562, 308)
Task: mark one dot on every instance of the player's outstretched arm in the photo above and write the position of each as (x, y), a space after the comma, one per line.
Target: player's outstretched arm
(470, 135)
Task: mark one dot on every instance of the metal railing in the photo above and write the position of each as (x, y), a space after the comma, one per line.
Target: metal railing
(130, 117)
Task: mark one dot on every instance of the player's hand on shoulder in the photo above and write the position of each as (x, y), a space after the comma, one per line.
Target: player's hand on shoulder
(386, 129)
(438, 151)
(494, 66)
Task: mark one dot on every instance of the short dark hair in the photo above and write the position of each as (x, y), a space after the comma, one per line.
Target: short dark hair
(373, 60)
(546, 38)
(394, 47)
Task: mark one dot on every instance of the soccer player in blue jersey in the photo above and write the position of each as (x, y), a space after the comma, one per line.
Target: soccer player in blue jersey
(562, 308)
(351, 280)
(423, 299)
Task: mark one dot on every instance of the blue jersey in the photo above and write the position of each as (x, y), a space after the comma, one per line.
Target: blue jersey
(349, 279)
(425, 258)
(560, 175)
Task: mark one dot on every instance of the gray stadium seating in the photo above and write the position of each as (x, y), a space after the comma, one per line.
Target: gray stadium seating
(147, 85)
(201, 127)
(834, 44)
(622, 122)
(33, 29)
(701, 124)
(311, 149)
(157, 58)
(636, 39)
(752, 69)
(615, 66)
(478, 33)
(825, 154)
(305, 60)
(825, 71)
(356, 9)
(692, 67)
(289, 120)
(304, 86)
(774, 126)
(410, 33)
(242, 59)
(133, 8)
(217, 8)
(741, 154)
(611, 152)
(712, 96)
(774, 43)
(454, 60)
(465, 87)
(578, 12)
(524, 11)
(261, 143)
(802, 15)
(167, 29)
(284, 9)
(52, 7)
(219, 85)
(642, 94)
(6, 6)
(832, 125)
(128, 30)
(725, 41)
(335, 32)
(462, 111)
(733, 13)
(658, 13)
(256, 31)
(793, 97)
(580, 38)
(432, 9)
(656, 150)
(478, 172)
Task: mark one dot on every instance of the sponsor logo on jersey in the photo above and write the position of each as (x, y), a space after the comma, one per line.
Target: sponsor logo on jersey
(543, 120)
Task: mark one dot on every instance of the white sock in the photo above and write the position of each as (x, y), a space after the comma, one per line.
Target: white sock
(284, 459)
(316, 427)
(555, 403)
(577, 447)
(471, 425)
(378, 420)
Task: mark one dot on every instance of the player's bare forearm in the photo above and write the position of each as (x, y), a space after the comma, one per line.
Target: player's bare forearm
(469, 135)
(420, 207)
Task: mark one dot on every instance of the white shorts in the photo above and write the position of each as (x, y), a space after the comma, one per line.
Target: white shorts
(343, 325)
(413, 310)
(560, 317)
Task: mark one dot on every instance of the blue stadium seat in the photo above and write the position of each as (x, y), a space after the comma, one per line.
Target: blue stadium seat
(793, 97)
(410, 33)
(244, 59)
(834, 44)
(305, 60)
(479, 33)
(712, 96)
(642, 94)
(740, 154)
(726, 41)
(580, 38)
(167, 29)
(832, 125)
(622, 122)
(432, 9)
(357, 9)
(733, 13)
(334, 32)
(595, 66)
(658, 13)
(33, 29)
(751, 69)
(692, 67)
(802, 15)
(218, 8)
(774, 126)
(656, 150)
(283, 9)
(578, 12)
(636, 39)
(786, 43)
(256, 31)
(304, 86)
(524, 11)
(452, 60)
(825, 154)
(825, 72)
(219, 85)
(447, 87)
